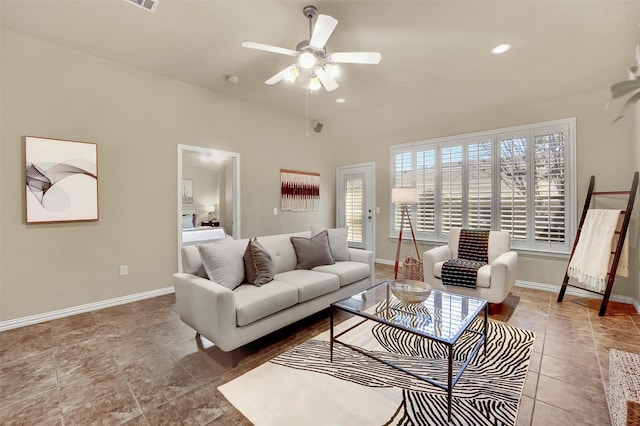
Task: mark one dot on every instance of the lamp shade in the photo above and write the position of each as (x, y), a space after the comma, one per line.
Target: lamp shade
(404, 195)
(210, 208)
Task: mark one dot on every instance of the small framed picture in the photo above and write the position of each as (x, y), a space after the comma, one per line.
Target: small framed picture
(61, 180)
(187, 191)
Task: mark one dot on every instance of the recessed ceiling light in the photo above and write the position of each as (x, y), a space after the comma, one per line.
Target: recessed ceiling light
(341, 100)
(501, 48)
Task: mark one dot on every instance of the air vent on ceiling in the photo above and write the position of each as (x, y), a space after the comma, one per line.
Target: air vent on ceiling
(149, 5)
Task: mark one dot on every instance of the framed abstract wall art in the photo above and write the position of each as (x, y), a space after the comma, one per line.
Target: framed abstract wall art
(61, 180)
(299, 191)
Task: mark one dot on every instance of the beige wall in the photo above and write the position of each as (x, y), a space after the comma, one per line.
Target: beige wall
(137, 119)
(602, 150)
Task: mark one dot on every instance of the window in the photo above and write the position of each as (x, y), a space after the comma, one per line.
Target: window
(353, 209)
(518, 179)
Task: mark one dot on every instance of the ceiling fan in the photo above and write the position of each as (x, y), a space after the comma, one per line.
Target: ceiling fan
(311, 54)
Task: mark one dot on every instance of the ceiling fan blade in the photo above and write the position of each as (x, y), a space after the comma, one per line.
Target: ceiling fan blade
(325, 25)
(355, 57)
(269, 48)
(279, 76)
(327, 81)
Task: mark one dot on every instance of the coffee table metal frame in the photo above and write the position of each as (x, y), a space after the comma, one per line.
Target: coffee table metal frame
(464, 328)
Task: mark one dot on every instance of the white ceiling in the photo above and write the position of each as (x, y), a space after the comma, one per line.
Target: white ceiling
(433, 52)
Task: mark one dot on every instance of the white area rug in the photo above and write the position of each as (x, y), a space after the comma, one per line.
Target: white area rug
(302, 386)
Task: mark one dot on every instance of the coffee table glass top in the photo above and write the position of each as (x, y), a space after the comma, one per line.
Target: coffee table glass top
(443, 316)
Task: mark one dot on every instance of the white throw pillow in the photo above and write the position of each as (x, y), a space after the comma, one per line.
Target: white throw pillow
(223, 261)
(187, 221)
(338, 243)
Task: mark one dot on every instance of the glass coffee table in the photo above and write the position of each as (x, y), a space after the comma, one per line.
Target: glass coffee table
(443, 318)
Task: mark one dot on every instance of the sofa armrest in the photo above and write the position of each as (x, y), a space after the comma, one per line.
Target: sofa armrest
(207, 307)
(364, 256)
(431, 257)
(503, 270)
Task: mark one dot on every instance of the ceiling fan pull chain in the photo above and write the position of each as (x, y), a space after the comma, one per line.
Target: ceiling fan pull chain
(307, 125)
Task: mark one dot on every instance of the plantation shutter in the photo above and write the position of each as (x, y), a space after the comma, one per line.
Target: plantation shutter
(479, 184)
(426, 184)
(519, 179)
(513, 184)
(354, 209)
(451, 187)
(550, 185)
(402, 178)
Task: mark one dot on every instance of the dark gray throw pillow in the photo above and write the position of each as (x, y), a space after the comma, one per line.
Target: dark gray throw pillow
(258, 265)
(338, 242)
(312, 252)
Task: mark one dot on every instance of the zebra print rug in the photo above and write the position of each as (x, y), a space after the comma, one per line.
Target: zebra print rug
(302, 387)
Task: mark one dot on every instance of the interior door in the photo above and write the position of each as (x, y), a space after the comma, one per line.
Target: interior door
(355, 202)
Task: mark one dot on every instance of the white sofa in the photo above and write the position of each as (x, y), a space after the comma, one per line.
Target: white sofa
(494, 281)
(232, 318)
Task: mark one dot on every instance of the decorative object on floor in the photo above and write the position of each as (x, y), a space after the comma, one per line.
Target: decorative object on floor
(614, 253)
(494, 280)
(413, 267)
(624, 390)
(410, 291)
(61, 180)
(299, 191)
(279, 391)
(318, 67)
(187, 191)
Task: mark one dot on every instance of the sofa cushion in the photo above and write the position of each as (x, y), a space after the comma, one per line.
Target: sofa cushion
(484, 274)
(338, 242)
(223, 262)
(348, 272)
(310, 284)
(258, 266)
(254, 303)
(312, 252)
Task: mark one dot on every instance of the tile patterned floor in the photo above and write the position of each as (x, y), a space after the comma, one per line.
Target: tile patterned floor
(138, 364)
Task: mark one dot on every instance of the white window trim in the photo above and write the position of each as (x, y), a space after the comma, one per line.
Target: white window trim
(570, 183)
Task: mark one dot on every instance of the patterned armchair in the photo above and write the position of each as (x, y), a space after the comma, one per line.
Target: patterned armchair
(494, 280)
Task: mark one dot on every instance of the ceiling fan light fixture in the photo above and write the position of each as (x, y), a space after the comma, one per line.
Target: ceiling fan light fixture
(307, 60)
(292, 74)
(314, 83)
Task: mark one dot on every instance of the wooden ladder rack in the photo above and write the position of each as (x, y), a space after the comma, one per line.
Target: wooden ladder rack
(621, 236)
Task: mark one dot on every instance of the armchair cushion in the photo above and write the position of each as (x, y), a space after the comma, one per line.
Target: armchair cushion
(484, 274)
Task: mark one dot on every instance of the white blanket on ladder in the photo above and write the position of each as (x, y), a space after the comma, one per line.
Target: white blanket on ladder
(592, 257)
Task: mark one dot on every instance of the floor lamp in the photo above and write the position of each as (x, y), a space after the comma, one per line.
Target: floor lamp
(404, 196)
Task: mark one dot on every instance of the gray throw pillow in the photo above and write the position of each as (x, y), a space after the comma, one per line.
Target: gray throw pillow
(337, 242)
(258, 265)
(223, 262)
(312, 252)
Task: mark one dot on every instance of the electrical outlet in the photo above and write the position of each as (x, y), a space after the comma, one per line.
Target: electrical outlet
(275, 211)
(377, 209)
(124, 270)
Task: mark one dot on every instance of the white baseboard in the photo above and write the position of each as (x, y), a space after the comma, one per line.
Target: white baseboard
(552, 288)
(61, 313)
(576, 292)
